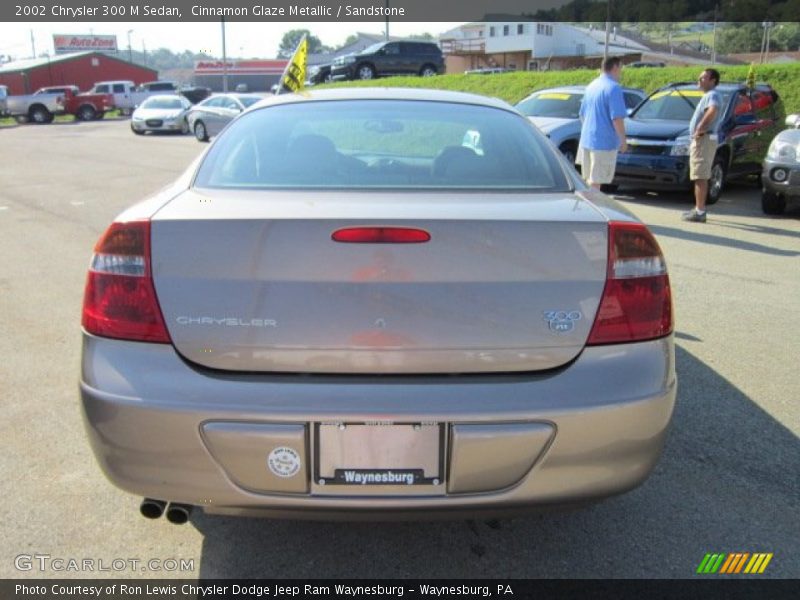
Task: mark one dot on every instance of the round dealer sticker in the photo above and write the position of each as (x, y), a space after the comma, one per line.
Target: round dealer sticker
(284, 462)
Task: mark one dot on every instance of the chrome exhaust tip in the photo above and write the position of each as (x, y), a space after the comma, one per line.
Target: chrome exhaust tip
(178, 513)
(152, 509)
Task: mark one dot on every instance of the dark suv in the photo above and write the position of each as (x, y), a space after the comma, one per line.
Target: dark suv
(658, 136)
(390, 58)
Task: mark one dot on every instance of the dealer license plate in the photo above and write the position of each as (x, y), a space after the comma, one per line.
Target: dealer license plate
(395, 454)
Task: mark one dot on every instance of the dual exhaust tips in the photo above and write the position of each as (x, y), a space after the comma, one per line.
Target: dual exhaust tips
(176, 513)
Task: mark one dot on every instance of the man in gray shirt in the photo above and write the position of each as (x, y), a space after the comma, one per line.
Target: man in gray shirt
(703, 146)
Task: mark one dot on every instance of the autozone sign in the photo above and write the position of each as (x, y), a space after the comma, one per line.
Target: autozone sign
(64, 44)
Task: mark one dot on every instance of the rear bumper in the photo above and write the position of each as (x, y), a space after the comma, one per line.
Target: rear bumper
(656, 172)
(595, 428)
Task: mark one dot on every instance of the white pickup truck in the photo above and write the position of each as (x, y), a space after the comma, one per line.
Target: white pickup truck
(126, 96)
(40, 107)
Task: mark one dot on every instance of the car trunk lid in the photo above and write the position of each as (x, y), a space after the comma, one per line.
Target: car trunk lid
(253, 281)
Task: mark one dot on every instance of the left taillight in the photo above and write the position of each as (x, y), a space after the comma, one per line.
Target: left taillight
(120, 299)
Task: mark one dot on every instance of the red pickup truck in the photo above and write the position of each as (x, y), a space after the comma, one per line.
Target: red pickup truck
(84, 106)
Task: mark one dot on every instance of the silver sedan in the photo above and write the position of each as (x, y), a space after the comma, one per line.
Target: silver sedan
(207, 118)
(361, 303)
(161, 113)
(555, 112)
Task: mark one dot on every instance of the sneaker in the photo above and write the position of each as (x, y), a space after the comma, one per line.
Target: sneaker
(694, 216)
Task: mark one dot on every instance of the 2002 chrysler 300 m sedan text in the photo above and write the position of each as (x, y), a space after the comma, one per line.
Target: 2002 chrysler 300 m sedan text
(342, 311)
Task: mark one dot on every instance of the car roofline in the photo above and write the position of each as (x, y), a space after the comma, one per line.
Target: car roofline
(162, 96)
(728, 85)
(376, 93)
(578, 88)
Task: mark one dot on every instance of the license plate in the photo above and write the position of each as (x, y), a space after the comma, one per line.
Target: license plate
(366, 454)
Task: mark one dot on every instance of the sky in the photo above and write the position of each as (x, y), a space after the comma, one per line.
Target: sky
(243, 40)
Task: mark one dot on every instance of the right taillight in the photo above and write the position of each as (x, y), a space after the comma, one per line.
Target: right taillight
(120, 299)
(636, 303)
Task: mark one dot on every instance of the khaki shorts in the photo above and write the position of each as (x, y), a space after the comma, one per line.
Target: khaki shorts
(597, 166)
(701, 156)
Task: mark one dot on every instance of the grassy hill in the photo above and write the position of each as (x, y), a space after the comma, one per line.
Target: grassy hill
(513, 87)
(706, 37)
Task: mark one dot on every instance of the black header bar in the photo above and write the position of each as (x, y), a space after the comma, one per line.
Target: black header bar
(394, 10)
(706, 587)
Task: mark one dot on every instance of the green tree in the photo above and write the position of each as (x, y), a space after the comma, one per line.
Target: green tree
(739, 37)
(162, 59)
(785, 36)
(745, 10)
(292, 38)
(785, 12)
(351, 39)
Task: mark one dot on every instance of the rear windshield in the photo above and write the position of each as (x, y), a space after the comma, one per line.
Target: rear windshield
(381, 144)
(248, 101)
(564, 105)
(51, 91)
(673, 105)
(165, 103)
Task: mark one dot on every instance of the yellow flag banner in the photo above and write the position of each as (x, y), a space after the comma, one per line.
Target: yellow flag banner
(294, 76)
(751, 76)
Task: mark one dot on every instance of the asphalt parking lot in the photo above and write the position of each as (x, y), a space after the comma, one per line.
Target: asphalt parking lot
(729, 480)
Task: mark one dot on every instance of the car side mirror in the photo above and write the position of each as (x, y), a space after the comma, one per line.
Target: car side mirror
(629, 111)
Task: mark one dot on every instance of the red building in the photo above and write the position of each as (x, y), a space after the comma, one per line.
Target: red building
(80, 68)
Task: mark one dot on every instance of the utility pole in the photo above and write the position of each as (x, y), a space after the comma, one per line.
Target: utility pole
(387, 20)
(144, 53)
(130, 49)
(224, 60)
(714, 39)
(608, 28)
(33, 46)
(769, 36)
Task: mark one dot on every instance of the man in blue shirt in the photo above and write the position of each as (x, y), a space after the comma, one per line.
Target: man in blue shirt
(703, 147)
(602, 115)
